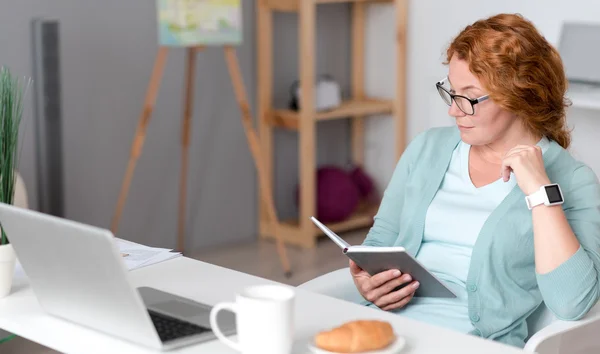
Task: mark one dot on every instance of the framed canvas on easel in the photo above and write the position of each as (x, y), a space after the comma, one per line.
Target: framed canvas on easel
(194, 25)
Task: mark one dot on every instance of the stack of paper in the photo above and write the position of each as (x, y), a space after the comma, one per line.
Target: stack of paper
(137, 256)
(134, 255)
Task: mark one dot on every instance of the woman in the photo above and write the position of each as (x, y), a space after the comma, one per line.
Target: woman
(460, 197)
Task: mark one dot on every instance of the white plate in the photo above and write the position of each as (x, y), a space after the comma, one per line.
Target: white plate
(393, 348)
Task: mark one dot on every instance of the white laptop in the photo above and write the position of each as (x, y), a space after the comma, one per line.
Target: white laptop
(77, 273)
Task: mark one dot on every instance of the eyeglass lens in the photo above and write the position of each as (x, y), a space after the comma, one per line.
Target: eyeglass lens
(462, 103)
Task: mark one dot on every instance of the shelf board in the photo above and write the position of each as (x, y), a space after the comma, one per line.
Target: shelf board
(291, 233)
(362, 217)
(289, 119)
(292, 5)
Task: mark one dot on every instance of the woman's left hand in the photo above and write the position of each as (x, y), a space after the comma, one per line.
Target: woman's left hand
(527, 164)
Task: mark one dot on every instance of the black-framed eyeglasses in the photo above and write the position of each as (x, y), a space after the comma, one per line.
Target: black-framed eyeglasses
(465, 104)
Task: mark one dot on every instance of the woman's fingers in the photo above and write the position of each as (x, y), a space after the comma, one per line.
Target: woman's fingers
(369, 287)
(397, 296)
(381, 278)
(399, 304)
(354, 268)
(392, 284)
(505, 170)
(512, 157)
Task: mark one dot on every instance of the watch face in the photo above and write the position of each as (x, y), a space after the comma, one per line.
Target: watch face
(554, 195)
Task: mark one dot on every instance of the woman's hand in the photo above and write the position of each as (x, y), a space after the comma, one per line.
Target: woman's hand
(527, 164)
(378, 289)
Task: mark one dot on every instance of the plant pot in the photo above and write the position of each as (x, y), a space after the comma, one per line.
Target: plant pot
(7, 268)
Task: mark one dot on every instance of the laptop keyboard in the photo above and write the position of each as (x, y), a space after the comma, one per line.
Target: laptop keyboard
(170, 328)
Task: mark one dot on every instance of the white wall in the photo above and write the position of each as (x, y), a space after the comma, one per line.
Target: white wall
(432, 25)
(107, 52)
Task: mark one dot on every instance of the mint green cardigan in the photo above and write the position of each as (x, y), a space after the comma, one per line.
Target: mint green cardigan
(503, 285)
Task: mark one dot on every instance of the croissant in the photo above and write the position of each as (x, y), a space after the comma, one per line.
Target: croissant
(356, 336)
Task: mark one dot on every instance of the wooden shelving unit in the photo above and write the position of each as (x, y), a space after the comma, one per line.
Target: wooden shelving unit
(290, 119)
(301, 232)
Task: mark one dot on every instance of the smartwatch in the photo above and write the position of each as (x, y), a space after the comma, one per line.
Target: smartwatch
(549, 194)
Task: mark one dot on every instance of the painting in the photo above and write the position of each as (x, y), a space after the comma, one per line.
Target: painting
(186, 23)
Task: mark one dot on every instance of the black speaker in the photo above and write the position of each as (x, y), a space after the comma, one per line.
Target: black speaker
(48, 114)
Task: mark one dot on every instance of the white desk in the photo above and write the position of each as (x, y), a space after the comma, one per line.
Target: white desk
(21, 314)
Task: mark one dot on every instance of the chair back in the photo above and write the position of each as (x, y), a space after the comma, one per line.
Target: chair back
(540, 318)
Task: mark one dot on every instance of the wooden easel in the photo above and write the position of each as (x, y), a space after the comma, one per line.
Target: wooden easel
(251, 135)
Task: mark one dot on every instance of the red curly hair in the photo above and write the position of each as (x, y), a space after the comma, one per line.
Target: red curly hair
(522, 72)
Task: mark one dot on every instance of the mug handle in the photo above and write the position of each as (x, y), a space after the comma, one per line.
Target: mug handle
(213, 323)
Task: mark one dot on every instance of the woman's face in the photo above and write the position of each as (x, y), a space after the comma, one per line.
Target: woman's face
(490, 122)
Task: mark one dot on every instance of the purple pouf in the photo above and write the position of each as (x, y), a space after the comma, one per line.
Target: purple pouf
(364, 183)
(337, 194)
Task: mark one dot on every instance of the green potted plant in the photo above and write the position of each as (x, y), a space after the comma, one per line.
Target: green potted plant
(12, 91)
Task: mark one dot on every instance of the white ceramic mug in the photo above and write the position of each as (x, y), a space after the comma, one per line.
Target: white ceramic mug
(264, 320)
